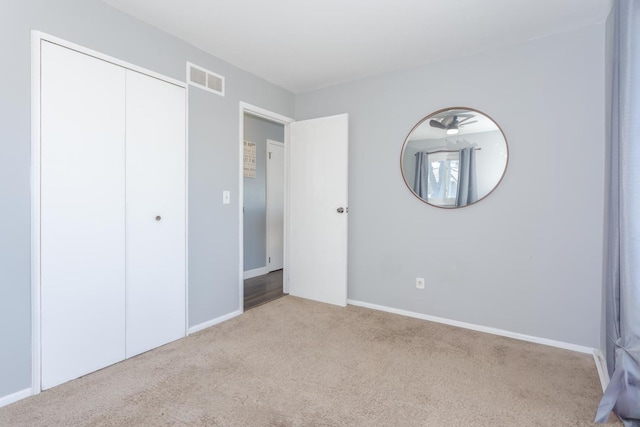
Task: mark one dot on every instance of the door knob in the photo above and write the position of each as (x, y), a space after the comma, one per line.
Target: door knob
(340, 210)
(158, 218)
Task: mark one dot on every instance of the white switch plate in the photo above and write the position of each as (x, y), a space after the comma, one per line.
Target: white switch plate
(420, 282)
(226, 197)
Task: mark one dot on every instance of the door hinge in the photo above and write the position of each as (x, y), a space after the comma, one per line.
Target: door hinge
(269, 260)
(269, 155)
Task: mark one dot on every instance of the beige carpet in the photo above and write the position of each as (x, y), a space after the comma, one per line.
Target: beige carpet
(294, 362)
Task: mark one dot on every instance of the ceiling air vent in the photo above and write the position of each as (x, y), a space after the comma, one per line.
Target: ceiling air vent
(205, 79)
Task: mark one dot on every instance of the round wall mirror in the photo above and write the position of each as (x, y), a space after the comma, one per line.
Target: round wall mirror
(454, 157)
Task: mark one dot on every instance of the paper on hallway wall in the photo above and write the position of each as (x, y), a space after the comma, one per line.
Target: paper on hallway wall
(249, 159)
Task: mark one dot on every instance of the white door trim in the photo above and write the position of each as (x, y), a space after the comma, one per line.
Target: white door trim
(268, 239)
(35, 212)
(37, 37)
(285, 121)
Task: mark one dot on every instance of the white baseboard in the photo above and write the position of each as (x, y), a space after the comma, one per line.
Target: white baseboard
(208, 324)
(11, 398)
(465, 325)
(249, 274)
(601, 366)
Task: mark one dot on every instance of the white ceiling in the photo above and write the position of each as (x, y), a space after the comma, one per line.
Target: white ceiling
(303, 45)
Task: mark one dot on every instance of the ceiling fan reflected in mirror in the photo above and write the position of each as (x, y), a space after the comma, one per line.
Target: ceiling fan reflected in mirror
(453, 122)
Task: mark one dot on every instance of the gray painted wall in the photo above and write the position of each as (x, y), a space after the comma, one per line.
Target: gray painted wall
(255, 191)
(213, 158)
(527, 259)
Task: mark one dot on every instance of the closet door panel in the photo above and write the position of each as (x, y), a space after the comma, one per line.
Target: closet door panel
(156, 209)
(82, 214)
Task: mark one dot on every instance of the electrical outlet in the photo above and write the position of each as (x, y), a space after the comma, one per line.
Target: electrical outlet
(420, 282)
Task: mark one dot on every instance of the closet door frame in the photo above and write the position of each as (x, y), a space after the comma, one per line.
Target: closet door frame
(37, 38)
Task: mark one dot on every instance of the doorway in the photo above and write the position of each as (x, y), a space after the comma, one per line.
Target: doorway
(263, 210)
(315, 205)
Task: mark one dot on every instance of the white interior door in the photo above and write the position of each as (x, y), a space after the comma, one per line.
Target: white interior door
(318, 172)
(275, 205)
(155, 203)
(82, 266)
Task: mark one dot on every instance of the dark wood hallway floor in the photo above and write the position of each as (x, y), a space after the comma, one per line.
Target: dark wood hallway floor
(262, 289)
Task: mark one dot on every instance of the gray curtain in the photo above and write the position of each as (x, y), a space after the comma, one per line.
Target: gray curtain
(421, 180)
(622, 253)
(467, 185)
(425, 177)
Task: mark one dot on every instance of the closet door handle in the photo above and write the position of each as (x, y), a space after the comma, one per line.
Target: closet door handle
(158, 218)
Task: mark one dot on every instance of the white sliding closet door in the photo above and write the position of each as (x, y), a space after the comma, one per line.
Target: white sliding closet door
(155, 241)
(82, 214)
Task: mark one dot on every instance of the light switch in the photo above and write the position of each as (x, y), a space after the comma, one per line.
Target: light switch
(226, 197)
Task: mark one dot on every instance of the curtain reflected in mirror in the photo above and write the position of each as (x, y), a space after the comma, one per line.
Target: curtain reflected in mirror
(454, 158)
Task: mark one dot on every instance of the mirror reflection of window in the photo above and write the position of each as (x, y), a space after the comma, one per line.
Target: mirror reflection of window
(442, 182)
